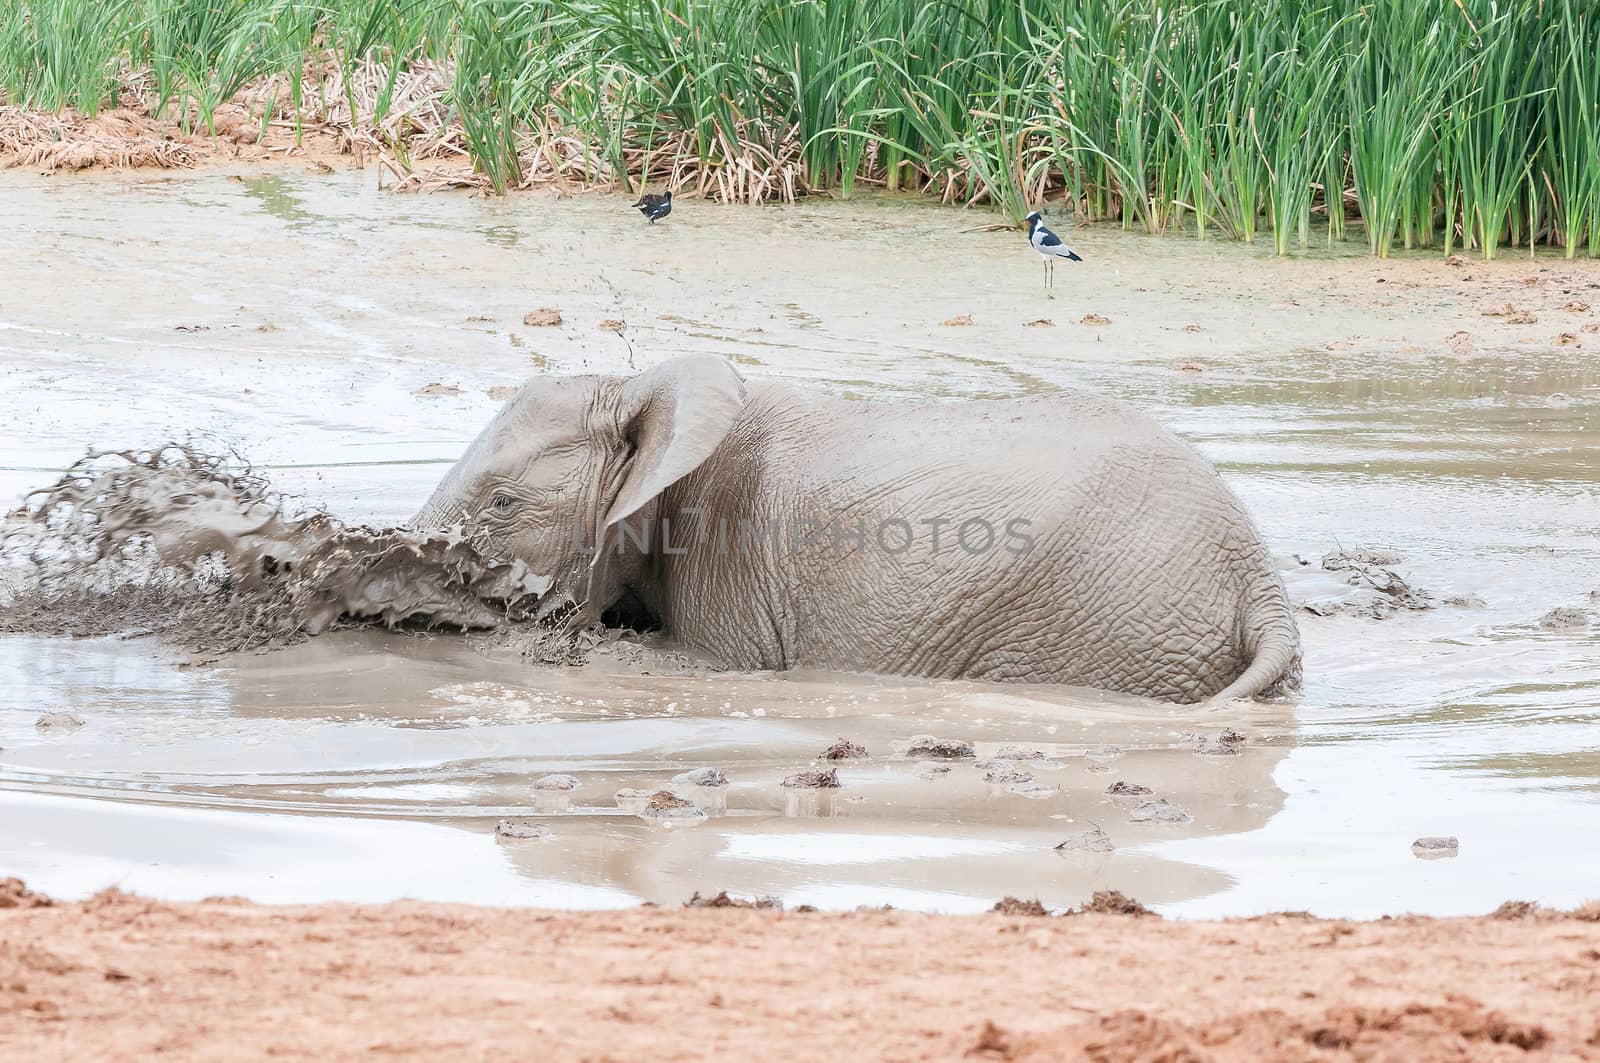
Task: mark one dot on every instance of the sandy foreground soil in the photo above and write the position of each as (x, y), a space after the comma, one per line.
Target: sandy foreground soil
(121, 977)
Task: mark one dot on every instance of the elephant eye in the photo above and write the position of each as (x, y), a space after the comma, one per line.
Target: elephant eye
(501, 502)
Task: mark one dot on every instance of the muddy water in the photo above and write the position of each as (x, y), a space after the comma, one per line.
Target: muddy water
(303, 319)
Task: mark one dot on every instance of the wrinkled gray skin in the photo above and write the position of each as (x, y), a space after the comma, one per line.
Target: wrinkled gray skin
(1133, 568)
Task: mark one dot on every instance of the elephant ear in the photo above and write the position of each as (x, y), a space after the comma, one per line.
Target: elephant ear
(671, 418)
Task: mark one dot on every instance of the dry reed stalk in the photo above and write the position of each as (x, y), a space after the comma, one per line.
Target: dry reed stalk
(116, 139)
(416, 126)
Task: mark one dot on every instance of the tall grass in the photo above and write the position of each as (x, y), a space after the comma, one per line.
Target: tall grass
(59, 55)
(1424, 123)
(1400, 66)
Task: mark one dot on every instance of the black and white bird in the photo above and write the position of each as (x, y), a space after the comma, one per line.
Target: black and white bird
(655, 207)
(1049, 246)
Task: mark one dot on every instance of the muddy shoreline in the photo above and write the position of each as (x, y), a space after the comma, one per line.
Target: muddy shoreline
(120, 976)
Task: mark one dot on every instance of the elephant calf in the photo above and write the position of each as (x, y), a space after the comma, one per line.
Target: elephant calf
(1060, 538)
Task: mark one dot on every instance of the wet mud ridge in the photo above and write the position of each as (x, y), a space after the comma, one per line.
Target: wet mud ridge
(197, 549)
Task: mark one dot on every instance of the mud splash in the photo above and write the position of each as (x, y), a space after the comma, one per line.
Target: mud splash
(197, 549)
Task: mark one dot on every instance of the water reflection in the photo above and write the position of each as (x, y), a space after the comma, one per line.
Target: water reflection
(372, 725)
(277, 197)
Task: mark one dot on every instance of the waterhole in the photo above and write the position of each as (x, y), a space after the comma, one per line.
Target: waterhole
(375, 759)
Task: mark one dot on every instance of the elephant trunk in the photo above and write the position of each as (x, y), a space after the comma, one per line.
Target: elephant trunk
(437, 512)
(448, 504)
(1272, 640)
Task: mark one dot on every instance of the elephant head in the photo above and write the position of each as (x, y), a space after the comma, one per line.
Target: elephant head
(569, 458)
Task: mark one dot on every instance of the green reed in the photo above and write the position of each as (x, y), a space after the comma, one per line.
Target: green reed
(1441, 124)
(1572, 129)
(63, 54)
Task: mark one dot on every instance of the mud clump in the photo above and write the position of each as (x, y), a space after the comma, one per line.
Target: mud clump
(1006, 777)
(666, 805)
(814, 780)
(1343, 559)
(1515, 910)
(1017, 753)
(1379, 592)
(634, 800)
(1226, 744)
(844, 749)
(551, 644)
(14, 893)
(1349, 1029)
(722, 900)
(1013, 906)
(940, 748)
(519, 828)
(1113, 902)
(991, 1043)
(1511, 314)
(1127, 789)
(1160, 811)
(1565, 619)
(1435, 846)
(709, 777)
(544, 317)
(196, 549)
(1088, 841)
(57, 722)
(556, 783)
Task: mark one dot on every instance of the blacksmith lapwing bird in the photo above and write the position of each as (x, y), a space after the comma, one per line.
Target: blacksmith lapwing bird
(655, 207)
(1049, 246)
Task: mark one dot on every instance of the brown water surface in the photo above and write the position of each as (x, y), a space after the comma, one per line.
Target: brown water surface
(302, 318)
